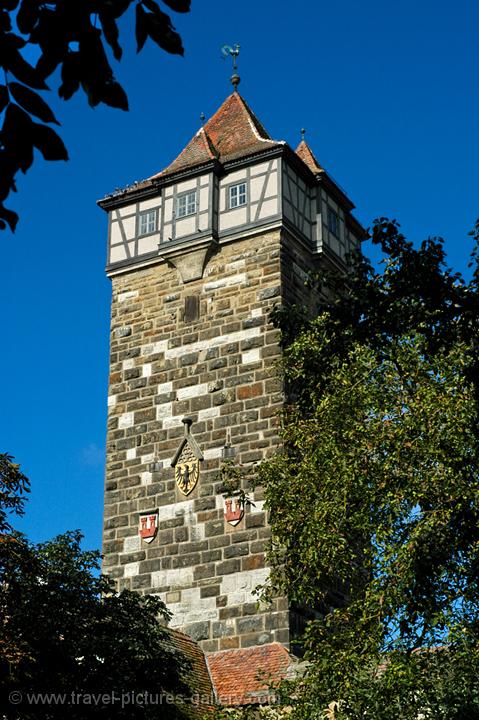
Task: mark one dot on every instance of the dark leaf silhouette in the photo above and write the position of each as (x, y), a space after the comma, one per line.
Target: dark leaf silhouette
(141, 28)
(3, 97)
(27, 16)
(9, 216)
(110, 29)
(114, 96)
(71, 73)
(48, 142)
(65, 35)
(181, 6)
(32, 102)
(23, 71)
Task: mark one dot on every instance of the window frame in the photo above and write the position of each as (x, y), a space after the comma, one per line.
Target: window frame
(333, 214)
(233, 186)
(148, 214)
(187, 212)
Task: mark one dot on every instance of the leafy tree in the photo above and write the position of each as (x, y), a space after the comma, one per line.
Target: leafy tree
(374, 500)
(72, 36)
(66, 636)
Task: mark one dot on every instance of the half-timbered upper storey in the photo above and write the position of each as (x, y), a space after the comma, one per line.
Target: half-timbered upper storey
(230, 180)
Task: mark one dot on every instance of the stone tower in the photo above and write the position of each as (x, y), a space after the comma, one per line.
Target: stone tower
(198, 255)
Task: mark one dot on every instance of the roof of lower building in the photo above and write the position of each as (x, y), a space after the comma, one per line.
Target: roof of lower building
(245, 676)
(198, 679)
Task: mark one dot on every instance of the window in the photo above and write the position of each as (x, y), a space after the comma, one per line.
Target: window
(333, 222)
(147, 222)
(186, 204)
(237, 195)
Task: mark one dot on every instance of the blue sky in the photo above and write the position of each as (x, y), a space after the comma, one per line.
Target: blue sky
(387, 93)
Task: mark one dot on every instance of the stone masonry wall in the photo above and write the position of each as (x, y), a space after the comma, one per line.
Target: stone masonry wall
(218, 370)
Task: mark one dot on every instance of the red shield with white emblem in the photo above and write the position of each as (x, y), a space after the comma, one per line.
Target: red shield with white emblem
(148, 526)
(234, 510)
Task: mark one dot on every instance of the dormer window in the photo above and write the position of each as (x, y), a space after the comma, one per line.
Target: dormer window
(186, 204)
(147, 222)
(237, 195)
(333, 222)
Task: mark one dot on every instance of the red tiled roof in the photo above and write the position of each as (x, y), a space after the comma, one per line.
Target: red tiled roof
(305, 153)
(243, 677)
(233, 132)
(198, 678)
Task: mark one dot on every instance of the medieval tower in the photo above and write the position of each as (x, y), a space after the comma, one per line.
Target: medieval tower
(198, 255)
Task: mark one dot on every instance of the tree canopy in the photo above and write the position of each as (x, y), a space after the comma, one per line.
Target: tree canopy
(75, 37)
(69, 644)
(374, 499)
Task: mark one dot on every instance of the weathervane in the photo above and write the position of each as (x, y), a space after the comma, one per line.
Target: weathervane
(233, 52)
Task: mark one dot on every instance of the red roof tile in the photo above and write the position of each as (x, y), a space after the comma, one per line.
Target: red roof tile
(243, 677)
(233, 132)
(198, 678)
(305, 153)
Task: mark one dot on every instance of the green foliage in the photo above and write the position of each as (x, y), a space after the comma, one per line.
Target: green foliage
(75, 635)
(13, 486)
(374, 500)
(70, 35)
(65, 633)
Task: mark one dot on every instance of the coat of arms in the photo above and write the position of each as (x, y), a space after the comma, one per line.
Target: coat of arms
(234, 510)
(148, 526)
(187, 461)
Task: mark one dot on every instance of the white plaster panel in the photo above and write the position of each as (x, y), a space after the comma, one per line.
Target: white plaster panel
(148, 244)
(132, 569)
(268, 207)
(186, 226)
(233, 177)
(168, 208)
(128, 210)
(272, 185)
(192, 391)
(256, 187)
(115, 234)
(263, 167)
(218, 341)
(126, 420)
(225, 282)
(233, 218)
(204, 192)
(117, 254)
(129, 225)
(186, 185)
(167, 232)
(151, 204)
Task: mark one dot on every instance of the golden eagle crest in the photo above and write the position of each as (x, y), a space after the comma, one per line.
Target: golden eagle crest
(187, 461)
